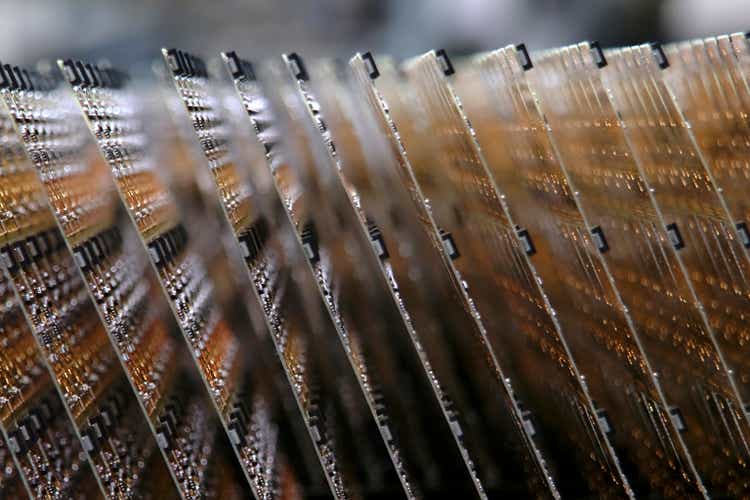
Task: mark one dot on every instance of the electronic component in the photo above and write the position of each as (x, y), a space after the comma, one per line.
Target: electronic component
(513, 274)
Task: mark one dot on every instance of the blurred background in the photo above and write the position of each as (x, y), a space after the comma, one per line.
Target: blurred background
(131, 32)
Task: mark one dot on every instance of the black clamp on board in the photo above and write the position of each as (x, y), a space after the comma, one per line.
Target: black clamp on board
(526, 242)
(297, 66)
(445, 62)
(16, 78)
(605, 423)
(597, 234)
(675, 236)
(9, 77)
(4, 78)
(376, 238)
(598, 54)
(310, 243)
(372, 68)
(661, 58)
(678, 420)
(239, 68)
(449, 245)
(523, 57)
(253, 240)
(174, 62)
(743, 233)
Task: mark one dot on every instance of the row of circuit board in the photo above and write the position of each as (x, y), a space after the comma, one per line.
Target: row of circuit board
(513, 274)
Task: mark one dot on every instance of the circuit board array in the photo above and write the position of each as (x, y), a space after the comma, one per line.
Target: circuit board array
(513, 274)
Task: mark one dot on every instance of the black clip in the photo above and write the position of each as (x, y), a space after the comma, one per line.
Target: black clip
(7, 258)
(4, 78)
(238, 417)
(190, 64)
(252, 240)
(449, 245)
(372, 68)
(376, 238)
(29, 431)
(526, 241)
(599, 239)
(309, 238)
(20, 77)
(238, 68)
(170, 418)
(297, 66)
(16, 443)
(32, 249)
(85, 79)
(28, 79)
(237, 433)
(598, 54)
(164, 436)
(249, 246)
(661, 58)
(445, 62)
(82, 257)
(174, 62)
(95, 82)
(99, 426)
(526, 419)
(13, 82)
(743, 233)
(20, 255)
(675, 236)
(602, 417)
(37, 419)
(89, 441)
(184, 63)
(156, 253)
(523, 57)
(240, 409)
(675, 414)
(95, 250)
(234, 64)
